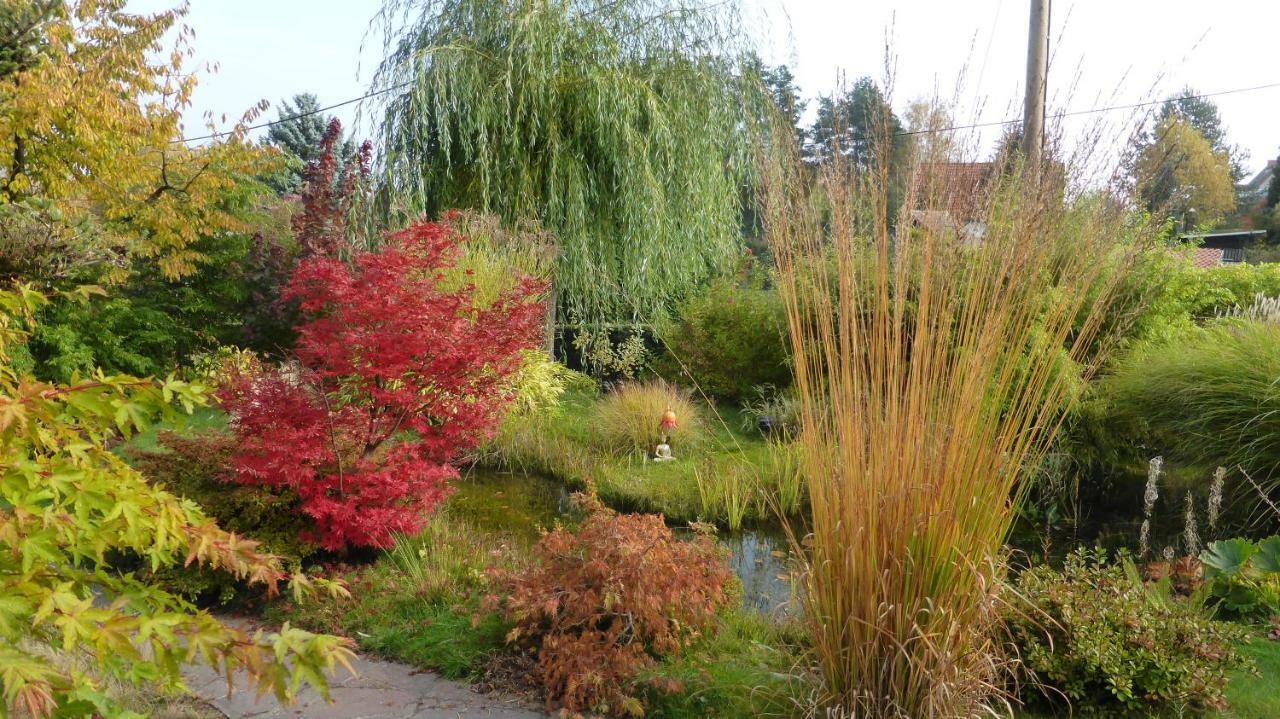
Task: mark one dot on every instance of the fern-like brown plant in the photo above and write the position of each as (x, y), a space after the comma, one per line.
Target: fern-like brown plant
(936, 353)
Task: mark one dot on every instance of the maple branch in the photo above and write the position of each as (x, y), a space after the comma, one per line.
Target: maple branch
(59, 391)
(19, 152)
(369, 448)
(333, 437)
(193, 178)
(19, 164)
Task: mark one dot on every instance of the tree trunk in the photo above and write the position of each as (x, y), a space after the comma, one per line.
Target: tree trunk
(549, 340)
(19, 163)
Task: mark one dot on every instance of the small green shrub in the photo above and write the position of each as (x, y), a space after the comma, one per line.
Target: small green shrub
(626, 420)
(1093, 635)
(618, 354)
(728, 340)
(539, 385)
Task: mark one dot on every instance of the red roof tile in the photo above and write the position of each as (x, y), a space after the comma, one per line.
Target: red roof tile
(1207, 257)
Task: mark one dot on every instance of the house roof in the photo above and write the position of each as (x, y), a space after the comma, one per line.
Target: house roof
(1223, 233)
(1207, 257)
(954, 187)
(1260, 181)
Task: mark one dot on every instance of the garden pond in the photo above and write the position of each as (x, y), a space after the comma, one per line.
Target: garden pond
(522, 505)
(1113, 519)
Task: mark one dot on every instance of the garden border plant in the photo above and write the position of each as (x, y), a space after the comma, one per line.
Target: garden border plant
(598, 604)
(932, 373)
(1094, 636)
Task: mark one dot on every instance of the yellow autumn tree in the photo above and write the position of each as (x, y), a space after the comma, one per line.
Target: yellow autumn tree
(91, 100)
(1177, 169)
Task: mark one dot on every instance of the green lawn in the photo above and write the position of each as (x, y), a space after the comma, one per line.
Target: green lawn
(201, 419)
(1257, 697)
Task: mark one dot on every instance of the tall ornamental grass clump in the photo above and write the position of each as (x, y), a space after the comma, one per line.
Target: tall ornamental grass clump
(933, 366)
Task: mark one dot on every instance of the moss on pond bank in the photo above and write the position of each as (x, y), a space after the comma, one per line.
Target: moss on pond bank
(503, 502)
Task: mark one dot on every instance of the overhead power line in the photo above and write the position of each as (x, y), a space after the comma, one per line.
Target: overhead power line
(953, 128)
(300, 115)
(1096, 110)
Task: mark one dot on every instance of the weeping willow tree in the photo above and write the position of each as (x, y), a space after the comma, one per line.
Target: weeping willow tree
(621, 126)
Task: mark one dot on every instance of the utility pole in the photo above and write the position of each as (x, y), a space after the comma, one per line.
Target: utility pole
(1037, 69)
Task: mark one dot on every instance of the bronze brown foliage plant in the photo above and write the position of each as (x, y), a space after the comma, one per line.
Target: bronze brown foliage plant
(936, 353)
(598, 605)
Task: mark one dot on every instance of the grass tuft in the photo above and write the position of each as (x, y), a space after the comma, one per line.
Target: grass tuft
(626, 420)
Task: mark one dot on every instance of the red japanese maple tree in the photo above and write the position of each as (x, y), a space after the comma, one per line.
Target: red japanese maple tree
(395, 377)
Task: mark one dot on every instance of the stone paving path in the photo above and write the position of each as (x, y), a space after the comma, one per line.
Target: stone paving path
(380, 690)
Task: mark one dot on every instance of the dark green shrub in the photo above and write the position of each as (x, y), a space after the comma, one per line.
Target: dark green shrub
(149, 326)
(728, 340)
(195, 467)
(1093, 635)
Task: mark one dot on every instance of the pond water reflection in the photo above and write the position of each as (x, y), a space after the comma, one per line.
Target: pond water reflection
(759, 558)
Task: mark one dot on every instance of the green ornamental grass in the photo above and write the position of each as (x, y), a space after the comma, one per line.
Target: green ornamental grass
(1209, 397)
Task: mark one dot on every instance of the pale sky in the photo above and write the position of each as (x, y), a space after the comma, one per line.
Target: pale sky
(1104, 52)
